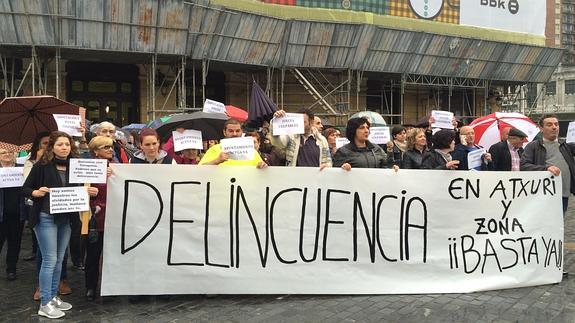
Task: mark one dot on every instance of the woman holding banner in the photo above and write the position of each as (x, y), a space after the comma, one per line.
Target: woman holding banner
(360, 153)
(150, 152)
(439, 157)
(101, 148)
(52, 230)
(416, 149)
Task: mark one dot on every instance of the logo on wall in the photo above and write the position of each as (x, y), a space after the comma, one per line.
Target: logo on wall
(426, 9)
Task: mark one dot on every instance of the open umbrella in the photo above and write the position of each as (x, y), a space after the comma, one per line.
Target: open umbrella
(134, 126)
(21, 118)
(236, 113)
(488, 128)
(261, 108)
(210, 124)
(374, 118)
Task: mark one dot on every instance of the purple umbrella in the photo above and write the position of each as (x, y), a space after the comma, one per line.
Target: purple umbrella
(261, 107)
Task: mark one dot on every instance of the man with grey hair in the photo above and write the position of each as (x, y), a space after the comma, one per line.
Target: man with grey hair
(108, 129)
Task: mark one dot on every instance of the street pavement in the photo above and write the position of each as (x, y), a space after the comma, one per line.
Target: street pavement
(549, 303)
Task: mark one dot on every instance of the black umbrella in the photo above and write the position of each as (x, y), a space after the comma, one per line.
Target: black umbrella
(21, 118)
(261, 108)
(210, 124)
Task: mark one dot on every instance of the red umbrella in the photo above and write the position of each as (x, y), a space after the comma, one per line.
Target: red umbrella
(488, 128)
(21, 118)
(236, 113)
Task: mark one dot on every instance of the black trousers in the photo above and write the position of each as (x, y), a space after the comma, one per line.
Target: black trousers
(11, 232)
(76, 249)
(93, 254)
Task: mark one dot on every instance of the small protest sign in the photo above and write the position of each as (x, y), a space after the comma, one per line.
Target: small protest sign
(11, 177)
(340, 142)
(211, 106)
(241, 148)
(475, 158)
(443, 119)
(379, 135)
(571, 132)
(88, 170)
(291, 124)
(69, 123)
(69, 199)
(188, 139)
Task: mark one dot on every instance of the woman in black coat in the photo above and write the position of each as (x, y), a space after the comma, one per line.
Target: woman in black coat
(439, 157)
(417, 149)
(359, 153)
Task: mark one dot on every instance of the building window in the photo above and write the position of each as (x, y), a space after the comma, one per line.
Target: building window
(550, 88)
(569, 86)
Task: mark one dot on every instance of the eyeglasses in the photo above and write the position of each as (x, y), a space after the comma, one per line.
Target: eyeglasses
(105, 147)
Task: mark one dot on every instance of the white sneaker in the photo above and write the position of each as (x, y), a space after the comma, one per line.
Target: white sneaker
(60, 304)
(50, 311)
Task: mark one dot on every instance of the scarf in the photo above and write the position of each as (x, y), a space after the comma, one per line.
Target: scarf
(401, 145)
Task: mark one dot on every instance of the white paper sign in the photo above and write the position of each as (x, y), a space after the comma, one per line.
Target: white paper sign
(88, 170)
(211, 106)
(11, 177)
(69, 199)
(443, 119)
(189, 139)
(475, 158)
(571, 132)
(511, 15)
(241, 229)
(291, 124)
(69, 123)
(379, 135)
(22, 160)
(241, 148)
(340, 142)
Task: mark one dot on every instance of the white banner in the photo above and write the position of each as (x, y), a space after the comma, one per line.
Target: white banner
(211, 106)
(88, 170)
(69, 123)
(291, 124)
(11, 176)
(189, 139)
(379, 135)
(523, 16)
(69, 199)
(240, 148)
(287, 230)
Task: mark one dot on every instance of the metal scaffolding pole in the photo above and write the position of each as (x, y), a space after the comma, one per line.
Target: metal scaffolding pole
(58, 72)
(153, 86)
(33, 71)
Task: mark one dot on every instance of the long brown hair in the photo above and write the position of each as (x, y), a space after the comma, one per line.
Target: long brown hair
(48, 155)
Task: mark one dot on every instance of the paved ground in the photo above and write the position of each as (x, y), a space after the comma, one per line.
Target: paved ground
(550, 303)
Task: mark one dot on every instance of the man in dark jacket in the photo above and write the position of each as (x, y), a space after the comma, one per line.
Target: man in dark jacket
(506, 154)
(467, 145)
(551, 154)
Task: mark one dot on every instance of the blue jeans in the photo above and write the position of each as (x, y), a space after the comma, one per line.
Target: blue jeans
(53, 234)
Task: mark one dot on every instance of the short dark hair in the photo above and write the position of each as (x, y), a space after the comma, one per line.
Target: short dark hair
(36, 144)
(307, 111)
(352, 125)
(231, 121)
(546, 116)
(443, 138)
(396, 129)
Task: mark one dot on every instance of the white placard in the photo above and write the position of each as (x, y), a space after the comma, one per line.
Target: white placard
(69, 199)
(571, 132)
(510, 15)
(69, 123)
(241, 148)
(340, 142)
(22, 160)
(188, 139)
(11, 177)
(379, 135)
(245, 227)
(291, 124)
(88, 170)
(211, 106)
(475, 158)
(443, 119)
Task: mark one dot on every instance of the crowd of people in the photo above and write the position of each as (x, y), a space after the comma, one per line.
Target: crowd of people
(411, 147)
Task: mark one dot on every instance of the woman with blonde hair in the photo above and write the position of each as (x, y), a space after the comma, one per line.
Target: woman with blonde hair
(416, 149)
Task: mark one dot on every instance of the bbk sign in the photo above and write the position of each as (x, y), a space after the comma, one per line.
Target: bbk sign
(523, 16)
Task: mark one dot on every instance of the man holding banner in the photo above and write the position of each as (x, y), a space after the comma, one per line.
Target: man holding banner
(216, 155)
(309, 149)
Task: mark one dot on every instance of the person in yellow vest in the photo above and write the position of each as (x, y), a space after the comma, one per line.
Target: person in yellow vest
(215, 155)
